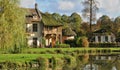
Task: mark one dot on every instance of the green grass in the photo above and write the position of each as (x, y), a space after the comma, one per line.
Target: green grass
(30, 54)
(39, 50)
(25, 57)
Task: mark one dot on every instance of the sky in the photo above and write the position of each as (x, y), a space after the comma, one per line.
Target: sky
(106, 7)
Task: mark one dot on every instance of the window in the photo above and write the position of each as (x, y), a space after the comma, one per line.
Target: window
(106, 38)
(35, 28)
(99, 38)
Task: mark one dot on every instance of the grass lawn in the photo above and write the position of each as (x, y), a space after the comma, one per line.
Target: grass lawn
(39, 50)
(34, 53)
(25, 57)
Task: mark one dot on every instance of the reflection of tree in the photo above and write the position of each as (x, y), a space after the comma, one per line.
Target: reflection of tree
(108, 64)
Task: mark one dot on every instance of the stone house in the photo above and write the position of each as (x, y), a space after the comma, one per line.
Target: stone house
(40, 26)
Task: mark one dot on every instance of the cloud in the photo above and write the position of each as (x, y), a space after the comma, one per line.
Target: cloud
(66, 5)
(98, 15)
(27, 3)
(110, 6)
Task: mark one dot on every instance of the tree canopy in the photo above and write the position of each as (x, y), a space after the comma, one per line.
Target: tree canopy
(12, 24)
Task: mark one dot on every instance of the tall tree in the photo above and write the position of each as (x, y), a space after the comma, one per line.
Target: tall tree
(75, 22)
(117, 26)
(12, 24)
(89, 11)
(105, 22)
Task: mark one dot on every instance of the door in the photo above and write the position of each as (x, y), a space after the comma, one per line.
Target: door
(34, 42)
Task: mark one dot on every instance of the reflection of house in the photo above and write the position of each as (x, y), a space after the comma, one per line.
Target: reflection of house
(118, 42)
(39, 26)
(103, 36)
(68, 34)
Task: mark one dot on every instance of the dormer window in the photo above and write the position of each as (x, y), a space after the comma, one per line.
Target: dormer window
(34, 16)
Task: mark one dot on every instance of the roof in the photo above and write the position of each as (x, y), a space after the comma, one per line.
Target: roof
(32, 12)
(100, 31)
(45, 18)
(68, 32)
(48, 20)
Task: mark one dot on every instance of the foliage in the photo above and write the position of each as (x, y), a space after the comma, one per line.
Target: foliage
(70, 61)
(72, 43)
(116, 27)
(62, 46)
(75, 22)
(89, 11)
(103, 45)
(42, 62)
(82, 42)
(56, 62)
(12, 23)
(68, 32)
(49, 20)
(105, 22)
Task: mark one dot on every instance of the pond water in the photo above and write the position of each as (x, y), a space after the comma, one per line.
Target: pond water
(90, 62)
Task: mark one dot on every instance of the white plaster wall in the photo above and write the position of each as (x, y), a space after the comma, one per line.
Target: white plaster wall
(96, 39)
(71, 37)
(102, 39)
(109, 38)
(30, 41)
(34, 34)
(29, 27)
(46, 42)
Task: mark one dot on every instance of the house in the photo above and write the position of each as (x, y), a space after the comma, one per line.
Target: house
(33, 18)
(103, 36)
(68, 34)
(40, 27)
(52, 29)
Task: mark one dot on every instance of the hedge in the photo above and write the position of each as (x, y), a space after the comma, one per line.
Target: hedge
(102, 45)
(62, 46)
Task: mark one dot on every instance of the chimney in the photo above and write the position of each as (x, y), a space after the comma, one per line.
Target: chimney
(36, 6)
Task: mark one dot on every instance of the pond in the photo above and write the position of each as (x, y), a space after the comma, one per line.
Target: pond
(81, 62)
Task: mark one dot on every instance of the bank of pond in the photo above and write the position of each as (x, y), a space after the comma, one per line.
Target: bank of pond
(57, 59)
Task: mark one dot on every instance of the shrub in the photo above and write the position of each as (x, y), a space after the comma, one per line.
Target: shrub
(42, 62)
(72, 43)
(59, 51)
(50, 52)
(103, 44)
(62, 46)
(69, 60)
(56, 62)
(82, 42)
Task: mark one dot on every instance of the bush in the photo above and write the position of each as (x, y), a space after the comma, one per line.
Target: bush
(62, 46)
(59, 51)
(102, 45)
(42, 62)
(69, 60)
(72, 43)
(82, 42)
(56, 62)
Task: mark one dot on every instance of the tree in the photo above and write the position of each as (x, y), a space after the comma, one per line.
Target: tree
(105, 22)
(65, 18)
(57, 17)
(75, 22)
(12, 24)
(85, 28)
(117, 26)
(89, 11)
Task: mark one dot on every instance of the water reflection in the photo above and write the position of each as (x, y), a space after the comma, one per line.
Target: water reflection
(83, 62)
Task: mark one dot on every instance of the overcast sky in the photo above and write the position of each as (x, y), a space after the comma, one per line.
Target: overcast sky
(106, 7)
